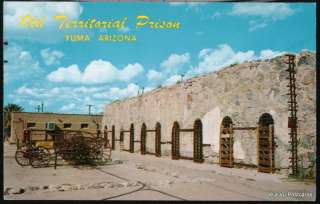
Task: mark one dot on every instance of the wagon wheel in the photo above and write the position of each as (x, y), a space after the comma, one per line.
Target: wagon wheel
(22, 156)
(40, 157)
(100, 147)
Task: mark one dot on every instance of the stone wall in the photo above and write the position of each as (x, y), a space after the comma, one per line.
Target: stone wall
(239, 91)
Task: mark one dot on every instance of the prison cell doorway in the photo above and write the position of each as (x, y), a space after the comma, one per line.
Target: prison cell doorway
(175, 152)
(157, 139)
(197, 155)
(131, 139)
(266, 143)
(226, 143)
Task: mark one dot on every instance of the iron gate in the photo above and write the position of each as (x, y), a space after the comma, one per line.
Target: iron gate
(158, 139)
(131, 131)
(197, 141)
(226, 143)
(144, 132)
(266, 144)
(175, 145)
(113, 137)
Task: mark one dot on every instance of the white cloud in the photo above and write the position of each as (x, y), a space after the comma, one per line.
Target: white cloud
(264, 12)
(117, 93)
(59, 98)
(224, 55)
(276, 11)
(130, 71)
(51, 57)
(154, 75)
(253, 25)
(37, 93)
(98, 71)
(68, 107)
(71, 74)
(21, 65)
(269, 54)
(215, 15)
(25, 55)
(213, 59)
(175, 62)
(14, 11)
(172, 80)
(87, 90)
(190, 5)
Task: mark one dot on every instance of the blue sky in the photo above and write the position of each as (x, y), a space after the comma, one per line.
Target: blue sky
(66, 76)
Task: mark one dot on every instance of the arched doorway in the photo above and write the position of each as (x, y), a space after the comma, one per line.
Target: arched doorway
(175, 148)
(197, 142)
(266, 143)
(226, 143)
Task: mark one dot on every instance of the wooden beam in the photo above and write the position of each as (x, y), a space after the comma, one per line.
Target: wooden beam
(186, 130)
(187, 158)
(244, 128)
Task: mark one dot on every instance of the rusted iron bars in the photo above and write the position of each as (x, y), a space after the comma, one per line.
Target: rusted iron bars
(244, 128)
(226, 143)
(144, 134)
(266, 144)
(292, 120)
(131, 131)
(113, 136)
(197, 141)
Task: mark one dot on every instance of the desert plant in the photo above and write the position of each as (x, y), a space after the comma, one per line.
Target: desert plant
(8, 109)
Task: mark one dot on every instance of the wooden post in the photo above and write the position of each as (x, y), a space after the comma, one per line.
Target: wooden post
(175, 152)
(158, 140)
(197, 142)
(113, 138)
(143, 138)
(131, 138)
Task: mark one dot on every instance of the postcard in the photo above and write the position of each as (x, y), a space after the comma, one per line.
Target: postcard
(165, 100)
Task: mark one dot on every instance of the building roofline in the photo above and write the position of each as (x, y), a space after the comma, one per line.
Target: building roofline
(222, 70)
(52, 113)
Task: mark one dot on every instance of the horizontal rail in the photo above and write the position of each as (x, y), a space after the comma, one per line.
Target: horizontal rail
(206, 145)
(187, 158)
(137, 141)
(108, 131)
(186, 130)
(168, 142)
(127, 150)
(244, 128)
(125, 131)
(60, 131)
(150, 153)
(150, 130)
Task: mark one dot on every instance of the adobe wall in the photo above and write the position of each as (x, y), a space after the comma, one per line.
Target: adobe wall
(19, 121)
(238, 91)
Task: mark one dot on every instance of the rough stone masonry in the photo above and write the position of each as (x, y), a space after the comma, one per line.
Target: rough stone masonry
(243, 92)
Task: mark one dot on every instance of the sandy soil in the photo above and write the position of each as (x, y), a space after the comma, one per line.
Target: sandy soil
(146, 177)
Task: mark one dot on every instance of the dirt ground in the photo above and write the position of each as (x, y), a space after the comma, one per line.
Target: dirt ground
(146, 177)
